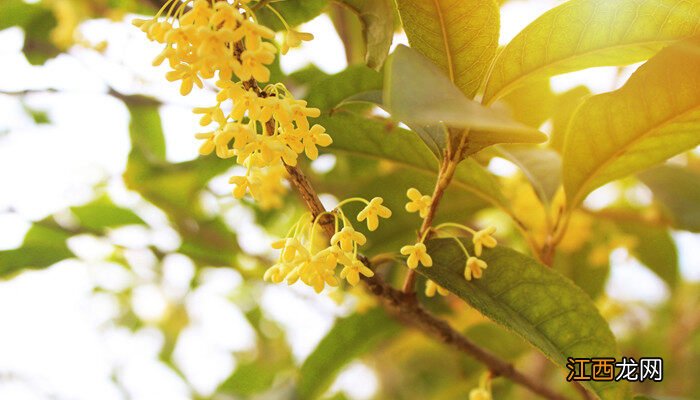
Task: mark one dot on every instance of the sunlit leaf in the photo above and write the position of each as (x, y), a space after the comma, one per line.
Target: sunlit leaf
(678, 191)
(656, 115)
(377, 17)
(564, 107)
(581, 34)
(459, 36)
(537, 303)
(531, 104)
(349, 339)
(417, 92)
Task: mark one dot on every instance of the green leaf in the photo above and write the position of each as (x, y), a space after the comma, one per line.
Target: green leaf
(18, 13)
(678, 191)
(579, 267)
(656, 249)
(175, 188)
(417, 92)
(44, 245)
(565, 106)
(582, 34)
(544, 308)
(38, 47)
(541, 166)
(102, 213)
(349, 339)
(460, 36)
(532, 104)
(358, 136)
(377, 17)
(656, 115)
(332, 91)
(295, 12)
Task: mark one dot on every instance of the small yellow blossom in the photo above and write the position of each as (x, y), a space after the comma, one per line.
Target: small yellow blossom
(431, 288)
(482, 239)
(316, 136)
(241, 183)
(419, 203)
(294, 38)
(474, 268)
(417, 253)
(372, 212)
(352, 272)
(347, 237)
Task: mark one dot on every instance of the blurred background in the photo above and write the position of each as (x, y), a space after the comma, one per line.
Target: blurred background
(116, 278)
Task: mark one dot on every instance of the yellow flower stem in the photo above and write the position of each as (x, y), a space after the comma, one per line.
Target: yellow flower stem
(455, 225)
(284, 22)
(313, 227)
(425, 235)
(461, 245)
(169, 2)
(350, 200)
(299, 226)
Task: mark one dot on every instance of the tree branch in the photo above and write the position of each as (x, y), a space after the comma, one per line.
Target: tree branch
(405, 308)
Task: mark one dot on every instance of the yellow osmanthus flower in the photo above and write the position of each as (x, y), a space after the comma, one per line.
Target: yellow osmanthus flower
(474, 268)
(417, 253)
(308, 255)
(261, 127)
(431, 288)
(419, 203)
(483, 239)
(347, 237)
(372, 212)
(294, 38)
(352, 272)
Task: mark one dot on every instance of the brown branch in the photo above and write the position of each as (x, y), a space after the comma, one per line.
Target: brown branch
(405, 308)
(448, 166)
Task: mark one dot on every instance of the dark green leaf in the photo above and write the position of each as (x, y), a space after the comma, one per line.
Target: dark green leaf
(541, 166)
(544, 308)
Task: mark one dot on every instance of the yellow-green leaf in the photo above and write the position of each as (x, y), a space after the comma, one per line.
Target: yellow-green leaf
(461, 36)
(581, 34)
(541, 306)
(417, 92)
(656, 115)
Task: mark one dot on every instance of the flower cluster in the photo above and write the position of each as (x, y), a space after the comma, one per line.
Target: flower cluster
(307, 255)
(418, 253)
(263, 128)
